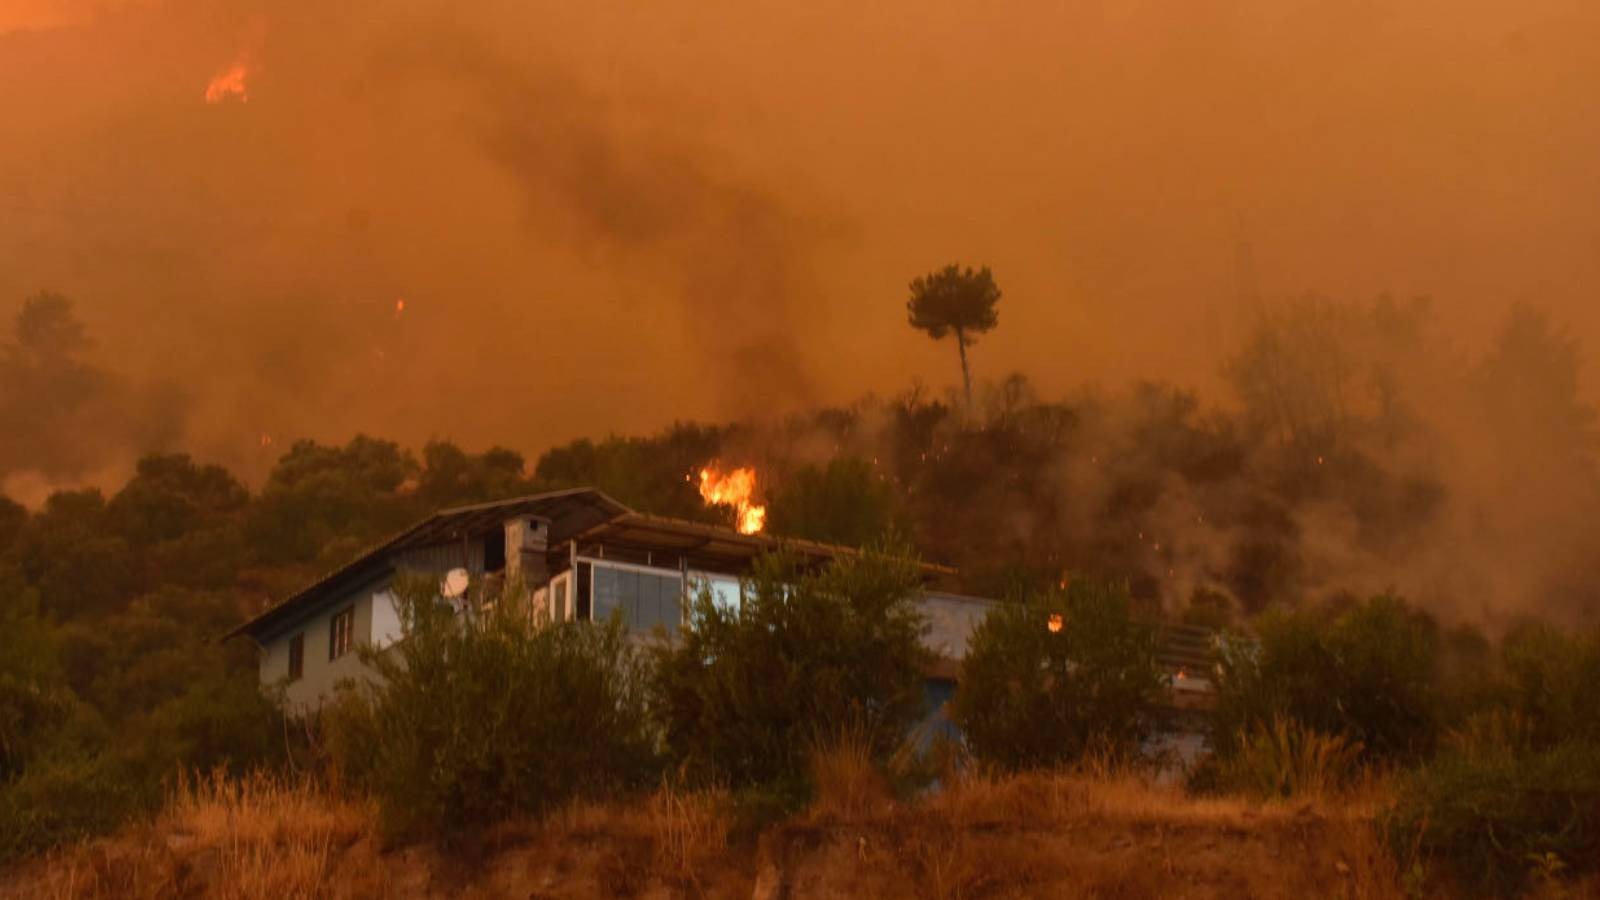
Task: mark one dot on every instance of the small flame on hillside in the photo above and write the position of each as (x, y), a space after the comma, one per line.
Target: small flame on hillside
(230, 84)
(735, 488)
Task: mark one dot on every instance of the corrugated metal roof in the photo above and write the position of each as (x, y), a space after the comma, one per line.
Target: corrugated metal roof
(697, 539)
(580, 514)
(570, 512)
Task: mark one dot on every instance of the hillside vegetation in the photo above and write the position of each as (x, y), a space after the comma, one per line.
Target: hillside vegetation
(1318, 525)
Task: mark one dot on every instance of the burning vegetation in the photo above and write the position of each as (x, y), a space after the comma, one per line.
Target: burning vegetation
(229, 84)
(734, 488)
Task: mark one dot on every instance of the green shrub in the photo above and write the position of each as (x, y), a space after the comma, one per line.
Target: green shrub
(1034, 695)
(348, 738)
(1551, 677)
(1368, 674)
(744, 693)
(478, 716)
(1493, 813)
(34, 701)
(68, 796)
(77, 783)
(30, 715)
(220, 721)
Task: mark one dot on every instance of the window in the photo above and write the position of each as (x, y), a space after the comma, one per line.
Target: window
(297, 656)
(726, 591)
(645, 599)
(386, 627)
(340, 631)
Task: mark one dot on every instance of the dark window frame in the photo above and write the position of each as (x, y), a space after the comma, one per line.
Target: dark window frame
(297, 656)
(341, 632)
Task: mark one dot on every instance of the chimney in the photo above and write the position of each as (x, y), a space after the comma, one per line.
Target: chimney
(527, 539)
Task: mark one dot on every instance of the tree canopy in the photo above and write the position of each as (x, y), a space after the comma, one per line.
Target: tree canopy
(955, 301)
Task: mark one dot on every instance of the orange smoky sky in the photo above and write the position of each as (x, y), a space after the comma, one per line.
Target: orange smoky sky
(604, 216)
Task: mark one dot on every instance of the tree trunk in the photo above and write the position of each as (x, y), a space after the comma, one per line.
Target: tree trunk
(966, 376)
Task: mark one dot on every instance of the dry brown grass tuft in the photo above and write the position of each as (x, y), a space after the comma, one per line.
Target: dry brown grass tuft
(848, 786)
(689, 829)
(261, 836)
(1121, 835)
(1286, 759)
(1105, 831)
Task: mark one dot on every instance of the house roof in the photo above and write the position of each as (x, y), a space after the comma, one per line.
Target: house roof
(584, 515)
(569, 513)
(713, 543)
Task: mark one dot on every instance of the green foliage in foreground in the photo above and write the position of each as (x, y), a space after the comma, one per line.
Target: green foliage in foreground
(1515, 790)
(1367, 674)
(1494, 817)
(487, 714)
(1031, 696)
(744, 693)
(1552, 677)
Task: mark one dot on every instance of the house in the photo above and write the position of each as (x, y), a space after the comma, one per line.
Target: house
(582, 555)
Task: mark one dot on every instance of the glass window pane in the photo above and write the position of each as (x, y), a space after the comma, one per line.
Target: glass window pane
(630, 591)
(606, 596)
(671, 608)
(644, 608)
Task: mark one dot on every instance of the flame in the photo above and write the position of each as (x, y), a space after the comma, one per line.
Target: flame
(399, 307)
(734, 488)
(1055, 622)
(229, 83)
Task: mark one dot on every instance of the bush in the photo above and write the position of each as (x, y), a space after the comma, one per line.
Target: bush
(478, 716)
(34, 701)
(1367, 674)
(66, 797)
(1551, 678)
(1493, 814)
(744, 693)
(220, 722)
(1035, 695)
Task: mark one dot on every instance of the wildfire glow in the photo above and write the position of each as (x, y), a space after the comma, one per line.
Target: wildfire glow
(735, 488)
(229, 84)
(399, 307)
(1055, 622)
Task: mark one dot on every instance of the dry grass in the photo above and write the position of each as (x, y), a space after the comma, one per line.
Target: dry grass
(848, 786)
(689, 829)
(1287, 759)
(1115, 834)
(256, 837)
(1105, 831)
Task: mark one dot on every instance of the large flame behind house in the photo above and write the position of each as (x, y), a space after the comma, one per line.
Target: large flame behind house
(735, 488)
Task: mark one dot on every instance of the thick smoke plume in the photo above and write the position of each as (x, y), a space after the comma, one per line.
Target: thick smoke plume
(519, 223)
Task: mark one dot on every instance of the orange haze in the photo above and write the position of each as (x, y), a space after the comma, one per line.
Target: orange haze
(607, 215)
